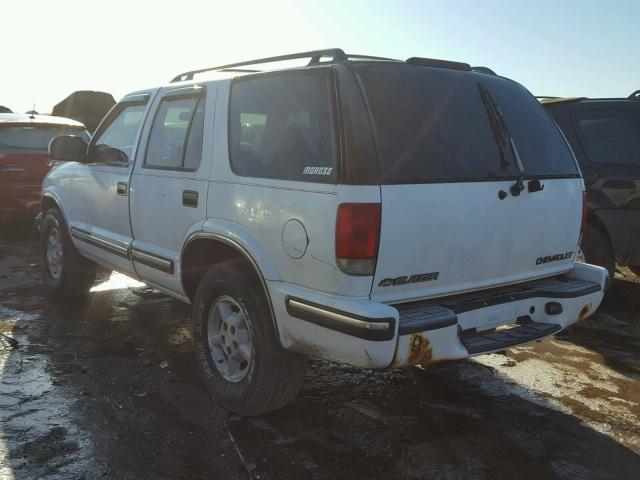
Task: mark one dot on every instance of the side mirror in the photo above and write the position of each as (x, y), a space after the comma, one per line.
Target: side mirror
(68, 148)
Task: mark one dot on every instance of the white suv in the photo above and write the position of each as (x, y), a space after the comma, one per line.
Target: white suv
(369, 211)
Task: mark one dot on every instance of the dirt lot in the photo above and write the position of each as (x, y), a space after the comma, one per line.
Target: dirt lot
(107, 388)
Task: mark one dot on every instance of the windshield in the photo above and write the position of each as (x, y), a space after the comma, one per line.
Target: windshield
(35, 137)
(432, 124)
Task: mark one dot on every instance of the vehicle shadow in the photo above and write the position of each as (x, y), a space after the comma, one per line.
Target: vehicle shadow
(614, 330)
(108, 385)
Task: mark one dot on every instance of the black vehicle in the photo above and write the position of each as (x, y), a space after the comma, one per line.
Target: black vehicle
(605, 136)
(85, 106)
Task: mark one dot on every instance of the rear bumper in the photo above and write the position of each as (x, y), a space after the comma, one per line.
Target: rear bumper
(19, 200)
(369, 334)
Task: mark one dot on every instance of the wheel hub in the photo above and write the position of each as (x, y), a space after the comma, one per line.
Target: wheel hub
(229, 339)
(54, 253)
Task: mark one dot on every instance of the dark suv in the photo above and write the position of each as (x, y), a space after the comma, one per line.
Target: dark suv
(605, 136)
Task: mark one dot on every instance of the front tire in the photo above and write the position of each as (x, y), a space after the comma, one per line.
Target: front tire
(65, 271)
(244, 366)
(597, 249)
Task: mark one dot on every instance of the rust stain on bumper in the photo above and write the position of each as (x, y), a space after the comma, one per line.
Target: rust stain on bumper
(419, 350)
(584, 312)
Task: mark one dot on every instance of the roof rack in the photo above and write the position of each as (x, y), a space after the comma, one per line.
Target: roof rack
(635, 95)
(543, 99)
(433, 62)
(486, 70)
(314, 56)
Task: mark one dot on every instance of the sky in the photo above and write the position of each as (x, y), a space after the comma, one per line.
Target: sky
(558, 48)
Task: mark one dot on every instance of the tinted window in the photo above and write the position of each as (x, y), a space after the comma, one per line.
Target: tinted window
(540, 143)
(431, 125)
(282, 127)
(176, 134)
(121, 132)
(610, 136)
(35, 137)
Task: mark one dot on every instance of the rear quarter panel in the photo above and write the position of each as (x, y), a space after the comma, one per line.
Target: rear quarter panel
(262, 207)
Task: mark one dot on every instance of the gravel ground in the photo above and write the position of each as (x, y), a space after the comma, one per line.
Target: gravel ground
(107, 388)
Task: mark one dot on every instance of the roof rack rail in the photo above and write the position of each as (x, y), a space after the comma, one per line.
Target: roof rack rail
(486, 70)
(554, 100)
(336, 54)
(635, 95)
(433, 62)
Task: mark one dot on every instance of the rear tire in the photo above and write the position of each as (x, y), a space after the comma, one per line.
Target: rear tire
(244, 366)
(597, 249)
(65, 271)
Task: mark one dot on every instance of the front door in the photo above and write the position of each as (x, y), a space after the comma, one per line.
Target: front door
(169, 183)
(100, 212)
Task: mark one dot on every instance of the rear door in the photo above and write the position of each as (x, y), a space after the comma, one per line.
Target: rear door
(170, 181)
(610, 140)
(449, 221)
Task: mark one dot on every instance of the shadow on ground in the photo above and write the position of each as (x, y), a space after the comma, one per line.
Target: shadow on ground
(615, 331)
(107, 387)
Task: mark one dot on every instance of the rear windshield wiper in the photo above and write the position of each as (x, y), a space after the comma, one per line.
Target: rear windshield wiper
(503, 138)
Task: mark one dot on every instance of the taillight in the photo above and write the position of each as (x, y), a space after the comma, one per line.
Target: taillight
(357, 236)
(584, 213)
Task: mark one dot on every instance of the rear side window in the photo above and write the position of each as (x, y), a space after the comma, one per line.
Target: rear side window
(281, 126)
(610, 136)
(176, 134)
(431, 125)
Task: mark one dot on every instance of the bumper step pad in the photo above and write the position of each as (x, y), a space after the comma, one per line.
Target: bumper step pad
(488, 342)
(419, 318)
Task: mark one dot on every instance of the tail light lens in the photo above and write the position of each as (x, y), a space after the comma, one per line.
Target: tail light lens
(584, 214)
(357, 237)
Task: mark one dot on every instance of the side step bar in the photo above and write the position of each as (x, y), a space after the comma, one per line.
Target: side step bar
(492, 341)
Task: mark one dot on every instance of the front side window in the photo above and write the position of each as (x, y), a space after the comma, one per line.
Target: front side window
(281, 126)
(121, 133)
(610, 136)
(176, 135)
(35, 137)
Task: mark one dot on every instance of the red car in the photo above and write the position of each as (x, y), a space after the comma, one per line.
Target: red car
(24, 159)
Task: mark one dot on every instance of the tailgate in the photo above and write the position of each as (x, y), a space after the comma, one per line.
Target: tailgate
(445, 238)
(24, 166)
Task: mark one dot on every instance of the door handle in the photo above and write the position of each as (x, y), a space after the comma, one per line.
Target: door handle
(190, 198)
(122, 188)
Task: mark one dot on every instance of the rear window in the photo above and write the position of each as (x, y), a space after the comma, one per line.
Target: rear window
(35, 137)
(281, 126)
(610, 136)
(431, 125)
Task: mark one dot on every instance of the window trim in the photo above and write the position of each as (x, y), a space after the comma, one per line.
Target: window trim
(329, 72)
(197, 92)
(128, 101)
(588, 114)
